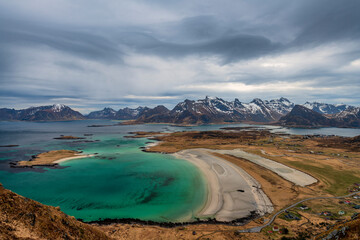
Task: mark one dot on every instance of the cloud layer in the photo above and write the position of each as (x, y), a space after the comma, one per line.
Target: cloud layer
(91, 54)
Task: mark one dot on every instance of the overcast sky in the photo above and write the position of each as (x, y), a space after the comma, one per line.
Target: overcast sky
(90, 54)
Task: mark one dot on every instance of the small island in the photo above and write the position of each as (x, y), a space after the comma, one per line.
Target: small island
(52, 158)
(62, 137)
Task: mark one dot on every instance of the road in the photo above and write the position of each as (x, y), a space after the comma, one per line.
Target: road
(259, 228)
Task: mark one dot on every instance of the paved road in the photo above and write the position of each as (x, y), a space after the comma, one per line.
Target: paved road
(258, 229)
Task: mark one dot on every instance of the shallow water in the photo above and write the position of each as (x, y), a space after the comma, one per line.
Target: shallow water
(121, 181)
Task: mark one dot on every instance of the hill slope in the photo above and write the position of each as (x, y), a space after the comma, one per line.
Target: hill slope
(23, 218)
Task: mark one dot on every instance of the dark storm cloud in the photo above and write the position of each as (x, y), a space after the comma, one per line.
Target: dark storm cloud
(230, 48)
(90, 51)
(327, 21)
(76, 43)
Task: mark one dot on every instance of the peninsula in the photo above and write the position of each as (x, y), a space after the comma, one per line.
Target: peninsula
(52, 158)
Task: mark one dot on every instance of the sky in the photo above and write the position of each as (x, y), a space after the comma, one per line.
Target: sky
(91, 54)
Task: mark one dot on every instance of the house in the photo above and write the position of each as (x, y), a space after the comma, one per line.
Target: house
(341, 212)
(356, 206)
(303, 207)
(347, 202)
(356, 197)
(326, 213)
(275, 228)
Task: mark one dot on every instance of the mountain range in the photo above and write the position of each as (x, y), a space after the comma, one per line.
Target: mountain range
(121, 114)
(208, 110)
(325, 108)
(301, 116)
(56, 112)
(217, 110)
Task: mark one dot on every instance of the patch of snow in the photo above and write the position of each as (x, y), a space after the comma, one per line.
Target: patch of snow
(58, 107)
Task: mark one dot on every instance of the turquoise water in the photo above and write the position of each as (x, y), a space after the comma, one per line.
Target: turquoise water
(121, 181)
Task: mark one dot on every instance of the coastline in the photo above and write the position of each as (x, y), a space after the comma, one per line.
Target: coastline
(232, 193)
(51, 158)
(72, 158)
(293, 175)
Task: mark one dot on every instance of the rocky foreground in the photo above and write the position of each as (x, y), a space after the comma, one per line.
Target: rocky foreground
(23, 218)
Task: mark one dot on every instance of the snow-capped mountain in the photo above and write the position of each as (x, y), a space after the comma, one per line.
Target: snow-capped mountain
(282, 105)
(325, 108)
(217, 110)
(349, 112)
(121, 114)
(106, 113)
(129, 113)
(351, 116)
(56, 112)
(58, 107)
(302, 116)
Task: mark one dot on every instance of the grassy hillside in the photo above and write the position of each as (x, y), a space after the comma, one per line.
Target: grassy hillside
(23, 218)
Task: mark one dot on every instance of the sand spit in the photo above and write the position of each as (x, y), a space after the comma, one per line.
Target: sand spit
(52, 158)
(72, 158)
(232, 193)
(290, 174)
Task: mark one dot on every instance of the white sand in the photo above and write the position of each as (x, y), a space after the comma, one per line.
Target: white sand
(224, 179)
(290, 174)
(152, 144)
(75, 157)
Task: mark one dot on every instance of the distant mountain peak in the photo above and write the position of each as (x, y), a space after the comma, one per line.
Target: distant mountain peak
(122, 114)
(302, 116)
(257, 101)
(217, 110)
(325, 108)
(55, 112)
(58, 107)
(284, 99)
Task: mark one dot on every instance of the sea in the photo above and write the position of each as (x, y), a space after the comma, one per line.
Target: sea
(121, 181)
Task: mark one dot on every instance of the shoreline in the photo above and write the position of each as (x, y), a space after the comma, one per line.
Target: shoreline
(232, 193)
(290, 174)
(50, 159)
(72, 158)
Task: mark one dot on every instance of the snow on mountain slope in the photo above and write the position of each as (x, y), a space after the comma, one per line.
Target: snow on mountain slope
(106, 113)
(56, 112)
(349, 112)
(325, 108)
(121, 114)
(282, 105)
(214, 109)
(58, 107)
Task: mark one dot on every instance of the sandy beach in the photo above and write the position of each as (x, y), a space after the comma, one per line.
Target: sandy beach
(290, 174)
(52, 158)
(72, 158)
(232, 193)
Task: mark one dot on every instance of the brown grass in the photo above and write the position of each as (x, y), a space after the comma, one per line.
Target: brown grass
(48, 158)
(23, 218)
